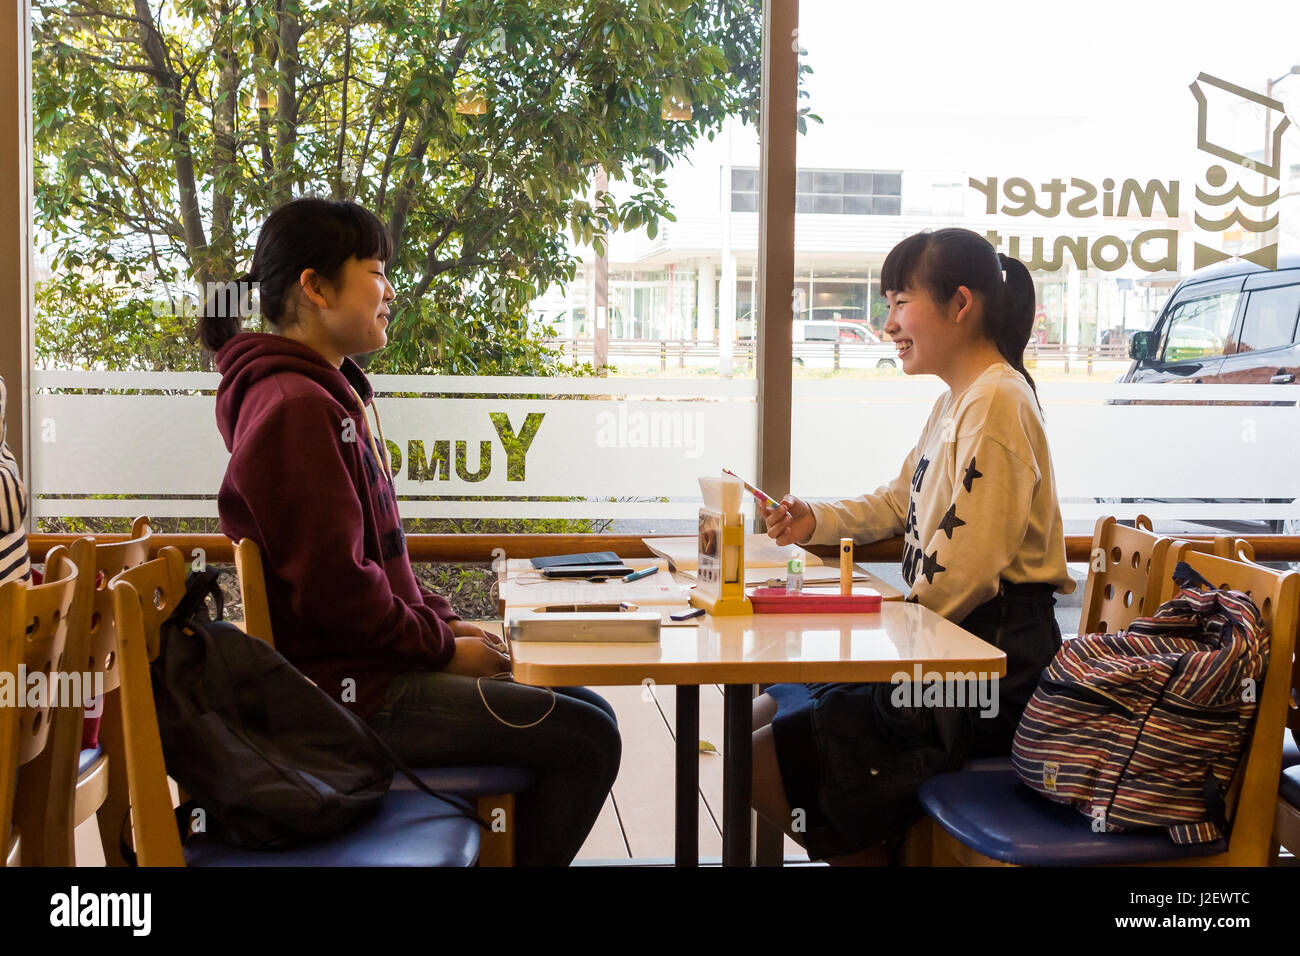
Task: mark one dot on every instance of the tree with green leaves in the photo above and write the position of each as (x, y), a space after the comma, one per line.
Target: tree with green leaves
(165, 131)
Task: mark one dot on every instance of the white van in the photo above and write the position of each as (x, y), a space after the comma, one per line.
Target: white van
(859, 347)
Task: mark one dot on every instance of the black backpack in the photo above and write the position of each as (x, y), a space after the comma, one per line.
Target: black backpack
(272, 760)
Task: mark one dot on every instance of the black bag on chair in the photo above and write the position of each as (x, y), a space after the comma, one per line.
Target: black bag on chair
(267, 755)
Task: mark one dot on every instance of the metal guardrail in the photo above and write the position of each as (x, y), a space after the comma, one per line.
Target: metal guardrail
(835, 355)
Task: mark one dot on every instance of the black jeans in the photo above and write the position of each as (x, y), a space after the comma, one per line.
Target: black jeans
(433, 719)
(1020, 621)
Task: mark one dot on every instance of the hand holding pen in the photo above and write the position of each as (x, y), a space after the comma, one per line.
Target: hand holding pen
(790, 521)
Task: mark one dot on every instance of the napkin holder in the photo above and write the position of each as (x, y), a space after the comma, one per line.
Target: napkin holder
(720, 577)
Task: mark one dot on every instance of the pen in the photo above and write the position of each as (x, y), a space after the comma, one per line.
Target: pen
(638, 575)
(758, 493)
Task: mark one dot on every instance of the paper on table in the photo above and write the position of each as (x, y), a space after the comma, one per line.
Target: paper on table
(662, 595)
(614, 591)
(760, 552)
(812, 577)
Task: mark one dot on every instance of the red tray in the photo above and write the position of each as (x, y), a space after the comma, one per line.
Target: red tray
(827, 601)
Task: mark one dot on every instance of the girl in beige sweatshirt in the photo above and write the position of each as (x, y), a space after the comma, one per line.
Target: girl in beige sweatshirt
(838, 765)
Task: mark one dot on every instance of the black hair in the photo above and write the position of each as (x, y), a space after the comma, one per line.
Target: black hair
(939, 262)
(307, 233)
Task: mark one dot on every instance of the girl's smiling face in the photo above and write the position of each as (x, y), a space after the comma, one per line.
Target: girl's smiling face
(920, 329)
(358, 318)
(351, 310)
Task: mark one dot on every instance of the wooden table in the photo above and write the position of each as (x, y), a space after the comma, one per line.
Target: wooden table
(740, 652)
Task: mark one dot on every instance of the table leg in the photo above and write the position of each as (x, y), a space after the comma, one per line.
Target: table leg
(688, 775)
(737, 753)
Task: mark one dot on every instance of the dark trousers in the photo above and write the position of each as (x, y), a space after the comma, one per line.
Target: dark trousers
(433, 719)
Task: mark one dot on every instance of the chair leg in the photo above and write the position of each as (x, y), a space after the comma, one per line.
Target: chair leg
(497, 846)
(31, 804)
(118, 801)
(918, 845)
(769, 843)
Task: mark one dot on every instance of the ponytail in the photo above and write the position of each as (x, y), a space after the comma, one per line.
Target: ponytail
(225, 305)
(1013, 322)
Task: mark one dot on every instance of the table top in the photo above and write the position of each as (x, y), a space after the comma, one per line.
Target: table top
(901, 639)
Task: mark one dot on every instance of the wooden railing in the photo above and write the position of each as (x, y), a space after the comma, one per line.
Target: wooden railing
(482, 548)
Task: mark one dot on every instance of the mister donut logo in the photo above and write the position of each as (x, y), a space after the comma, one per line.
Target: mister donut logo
(1231, 211)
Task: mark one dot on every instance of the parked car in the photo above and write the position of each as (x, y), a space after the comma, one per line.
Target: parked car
(860, 347)
(1234, 323)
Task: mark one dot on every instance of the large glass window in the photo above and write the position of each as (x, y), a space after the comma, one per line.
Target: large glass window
(1199, 328)
(1270, 319)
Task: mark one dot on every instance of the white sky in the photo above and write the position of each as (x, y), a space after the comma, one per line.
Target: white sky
(1017, 87)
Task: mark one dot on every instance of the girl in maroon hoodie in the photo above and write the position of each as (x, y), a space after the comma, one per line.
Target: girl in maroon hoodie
(310, 482)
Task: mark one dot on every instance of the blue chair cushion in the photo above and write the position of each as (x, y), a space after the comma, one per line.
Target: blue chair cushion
(986, 763)
(1290, 752)
(86, 759)
(1290, 788)
(470, 781)
(409, 829)
(995, 814)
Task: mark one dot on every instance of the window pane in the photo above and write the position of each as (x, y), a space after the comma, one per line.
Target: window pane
(1200, 326)
(887, 206)
(828, 182)
(888, 184)
(1270, 318)
(828, 204)
(858, 183)
(858, 205)
(744, 180)
(804, 182)
(744, 202)
(803, 203)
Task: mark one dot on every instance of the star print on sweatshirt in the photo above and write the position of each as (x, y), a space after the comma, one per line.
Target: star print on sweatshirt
(975, 500)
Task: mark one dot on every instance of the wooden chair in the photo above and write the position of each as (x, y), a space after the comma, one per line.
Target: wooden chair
(492, 788)
(1129, 568)
(1286, 822)
(409, 829)
(75, 784)
(35, 622)
(992, 819)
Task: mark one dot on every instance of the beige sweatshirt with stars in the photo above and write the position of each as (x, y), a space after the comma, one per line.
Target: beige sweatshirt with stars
(975, 500)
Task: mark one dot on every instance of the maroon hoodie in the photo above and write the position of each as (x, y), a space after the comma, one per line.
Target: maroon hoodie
(344, 602)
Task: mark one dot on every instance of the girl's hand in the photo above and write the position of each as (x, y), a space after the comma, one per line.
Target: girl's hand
(462, 629)
(789, 522)
(475, 658)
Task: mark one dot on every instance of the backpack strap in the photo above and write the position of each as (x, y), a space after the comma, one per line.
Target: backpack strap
(198, 585)
(1187, 576)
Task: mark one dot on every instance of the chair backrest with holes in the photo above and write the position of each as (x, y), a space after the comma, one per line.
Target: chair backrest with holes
(40, 614)
(91, 652)
(1124, 569)
(144, 597)
(112, 558)
(1277, 596)
(1128, 570)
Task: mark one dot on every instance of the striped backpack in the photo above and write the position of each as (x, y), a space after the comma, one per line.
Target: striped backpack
(1146, 727)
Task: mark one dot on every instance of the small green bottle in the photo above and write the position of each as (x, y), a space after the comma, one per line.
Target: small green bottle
(794, 576)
